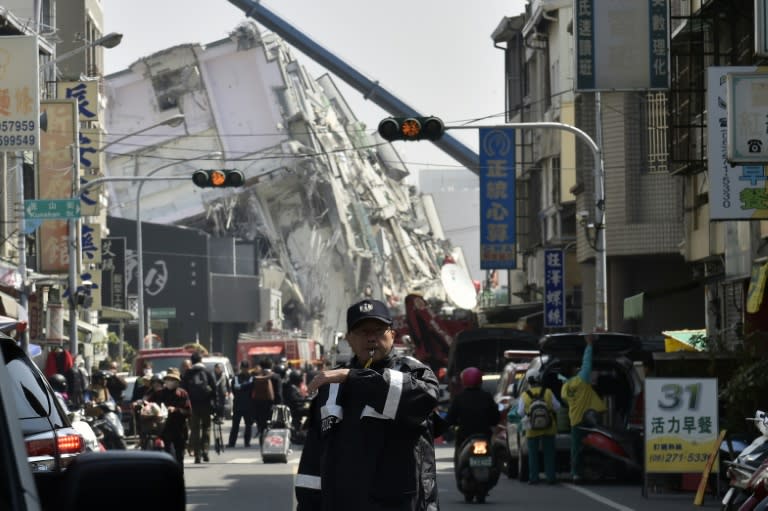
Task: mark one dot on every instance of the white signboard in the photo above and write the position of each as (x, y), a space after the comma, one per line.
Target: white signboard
(748, 119)
(761, 22)
(681, 424)
(19, 94)
(736, 192)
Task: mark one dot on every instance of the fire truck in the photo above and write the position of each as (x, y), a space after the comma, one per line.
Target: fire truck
(293, 347)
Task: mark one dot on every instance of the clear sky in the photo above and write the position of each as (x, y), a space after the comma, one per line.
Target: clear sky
(436, 55)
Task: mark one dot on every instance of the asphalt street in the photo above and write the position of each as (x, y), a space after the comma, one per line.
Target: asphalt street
(238, 477)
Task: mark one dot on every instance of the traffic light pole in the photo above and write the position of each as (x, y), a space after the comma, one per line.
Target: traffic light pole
(598, 174)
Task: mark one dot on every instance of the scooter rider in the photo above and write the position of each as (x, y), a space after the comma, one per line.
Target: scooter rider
(370, 439)
(473, 411)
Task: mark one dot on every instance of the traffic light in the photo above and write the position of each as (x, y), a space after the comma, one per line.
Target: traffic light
(411, 128)
(218, 178)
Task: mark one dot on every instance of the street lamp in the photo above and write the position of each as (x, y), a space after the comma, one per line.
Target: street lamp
(172, 121)
(139, 247)
(108, 41)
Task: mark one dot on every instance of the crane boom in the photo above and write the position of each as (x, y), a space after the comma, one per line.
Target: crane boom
(370, 89)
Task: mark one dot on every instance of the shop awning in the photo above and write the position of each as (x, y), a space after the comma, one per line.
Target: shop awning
(7, 323)
(84, 329)
(683, 340)
(118, 314)
(265, 350)
(10, 305)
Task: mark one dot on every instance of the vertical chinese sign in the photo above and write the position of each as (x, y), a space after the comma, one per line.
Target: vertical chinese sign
(681, 424)
(56, 179)
(614, 36)
(86, 94)
(497, 199)
(554, 288)
(19, 89)
(114, 284)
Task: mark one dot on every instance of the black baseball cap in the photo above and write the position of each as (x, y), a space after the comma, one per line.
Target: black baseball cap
(367, 309)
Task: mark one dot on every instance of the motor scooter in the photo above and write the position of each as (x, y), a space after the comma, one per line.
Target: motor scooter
(618, 452)
(477, 469)
(744, 467)
(755, 490)
(107, 422)
(79, 422)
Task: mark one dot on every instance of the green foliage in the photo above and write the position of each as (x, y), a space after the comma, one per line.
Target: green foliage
(129, 353)
(743, 394)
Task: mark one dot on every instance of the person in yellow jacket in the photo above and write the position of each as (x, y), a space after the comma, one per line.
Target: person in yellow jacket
(536, 436)
(579, 395)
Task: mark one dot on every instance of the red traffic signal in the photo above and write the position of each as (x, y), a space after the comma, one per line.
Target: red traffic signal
(411, 128)
(218, 178)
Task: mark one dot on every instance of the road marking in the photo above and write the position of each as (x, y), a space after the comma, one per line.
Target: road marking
(594, 496)
(244, 460)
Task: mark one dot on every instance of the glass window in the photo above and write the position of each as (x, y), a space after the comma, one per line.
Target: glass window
(34, 401)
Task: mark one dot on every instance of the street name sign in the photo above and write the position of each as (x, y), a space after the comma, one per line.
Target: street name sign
(52, 209)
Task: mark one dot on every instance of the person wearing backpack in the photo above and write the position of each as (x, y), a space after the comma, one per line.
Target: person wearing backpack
(201, 387)
(538, 407)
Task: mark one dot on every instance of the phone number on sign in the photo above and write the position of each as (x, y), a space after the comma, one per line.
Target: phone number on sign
(17, 125)
(694, 457)
(17, 140)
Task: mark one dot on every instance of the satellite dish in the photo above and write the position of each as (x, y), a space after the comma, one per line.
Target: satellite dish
(458, 286)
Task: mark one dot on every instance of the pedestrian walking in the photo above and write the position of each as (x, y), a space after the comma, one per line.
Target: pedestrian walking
(242, 384)
(538, 407)
(370, 439)
(176, 401)
(200, 386)
(223, 389)
(580, 397)
(266, 391)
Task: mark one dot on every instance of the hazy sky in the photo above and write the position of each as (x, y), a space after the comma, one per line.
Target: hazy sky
(436, 55)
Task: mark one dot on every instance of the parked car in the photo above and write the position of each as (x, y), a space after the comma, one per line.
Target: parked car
(50, 440)
(504, 397)
(31, 422)
(226, 366)
(616, 381)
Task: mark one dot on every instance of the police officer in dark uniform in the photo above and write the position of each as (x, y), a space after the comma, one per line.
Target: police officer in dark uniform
(370, 440)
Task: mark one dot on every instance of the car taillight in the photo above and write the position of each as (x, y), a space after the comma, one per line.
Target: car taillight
(67, 444)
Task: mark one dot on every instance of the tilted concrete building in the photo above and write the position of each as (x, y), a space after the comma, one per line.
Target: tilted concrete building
(325, 200)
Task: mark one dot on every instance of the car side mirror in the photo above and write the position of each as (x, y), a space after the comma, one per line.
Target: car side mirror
(89, 481)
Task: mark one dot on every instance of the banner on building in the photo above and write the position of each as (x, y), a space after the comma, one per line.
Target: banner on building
(114, 284)
(90, 168)
(86, 94)
(554, 288)
(497, 199)
(19, 94)
(736, 192)
(56, 179)
(681, 424)
(621, 45)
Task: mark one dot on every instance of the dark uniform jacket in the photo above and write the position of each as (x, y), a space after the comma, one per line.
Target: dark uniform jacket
(370, 441)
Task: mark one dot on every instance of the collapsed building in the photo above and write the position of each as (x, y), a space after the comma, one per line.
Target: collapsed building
(325, 200)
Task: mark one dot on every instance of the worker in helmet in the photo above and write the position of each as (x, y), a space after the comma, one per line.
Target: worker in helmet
(473, 411)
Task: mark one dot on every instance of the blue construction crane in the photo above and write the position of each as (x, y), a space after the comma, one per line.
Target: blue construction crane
(370, 89)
